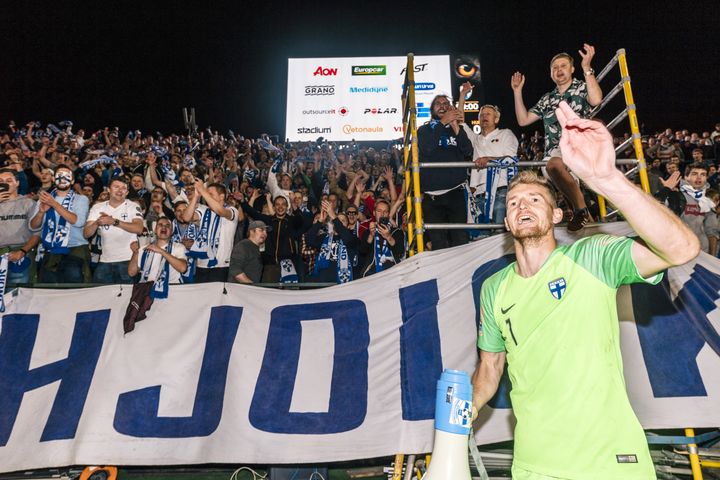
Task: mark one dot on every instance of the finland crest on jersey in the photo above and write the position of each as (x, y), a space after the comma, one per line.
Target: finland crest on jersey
(557, 287)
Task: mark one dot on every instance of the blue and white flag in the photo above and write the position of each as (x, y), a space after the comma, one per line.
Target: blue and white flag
(3, 279)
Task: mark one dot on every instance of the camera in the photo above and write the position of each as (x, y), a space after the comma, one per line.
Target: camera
(385, 222)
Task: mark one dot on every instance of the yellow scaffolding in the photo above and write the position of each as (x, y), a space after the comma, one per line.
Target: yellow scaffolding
(620, 59)
(411, 164)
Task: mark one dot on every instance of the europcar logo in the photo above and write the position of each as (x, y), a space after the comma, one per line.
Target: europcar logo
(369, 70)
(349, 129)
(301, 130)
(325, 72)
(319, 90)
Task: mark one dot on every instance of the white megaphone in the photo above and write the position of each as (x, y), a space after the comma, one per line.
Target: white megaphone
(453, 424)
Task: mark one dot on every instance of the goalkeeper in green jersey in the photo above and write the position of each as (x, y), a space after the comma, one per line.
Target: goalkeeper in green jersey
(552, 316)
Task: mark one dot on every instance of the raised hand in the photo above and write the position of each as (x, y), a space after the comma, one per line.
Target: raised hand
(517, 81)
(672, 182)
(465, 88)
(587, 54)
(587, 147)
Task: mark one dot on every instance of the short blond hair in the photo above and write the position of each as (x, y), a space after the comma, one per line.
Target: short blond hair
(528, 177)
(563, 55)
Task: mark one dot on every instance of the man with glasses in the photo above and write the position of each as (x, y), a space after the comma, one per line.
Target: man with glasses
(353, 220)
(581, 96)
(442, 140)
(60, 216)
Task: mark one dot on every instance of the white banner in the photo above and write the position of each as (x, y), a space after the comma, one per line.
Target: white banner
(250, 375)
(341, 99)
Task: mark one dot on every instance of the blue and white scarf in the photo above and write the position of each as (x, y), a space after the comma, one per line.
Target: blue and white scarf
(207, 238)
(494, 174)
(288, 274)
(3, 279)
(168, 172)
(103, 159)
(704, 203)
(382, 252)
(342, 259)
(191, 233)
(55, 231)
(161, 284)
(21, 265)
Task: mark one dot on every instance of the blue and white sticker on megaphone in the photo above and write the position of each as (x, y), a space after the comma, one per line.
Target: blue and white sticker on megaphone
(461, 412)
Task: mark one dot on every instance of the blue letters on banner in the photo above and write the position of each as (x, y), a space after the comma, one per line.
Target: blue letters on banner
(270, 408)
(75, 372)
(672, 333)
(137, 411)
(420, 355)
(501, 399)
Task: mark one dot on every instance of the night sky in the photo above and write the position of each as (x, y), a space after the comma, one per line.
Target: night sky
(135, 65)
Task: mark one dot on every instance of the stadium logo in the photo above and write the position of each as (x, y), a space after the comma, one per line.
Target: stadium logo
(423, 111)
(349, 129)
(301, 130)
(380, 111)
(368, 89)
(325, 72)
(369, 70)
(420, 67)
(319, 90)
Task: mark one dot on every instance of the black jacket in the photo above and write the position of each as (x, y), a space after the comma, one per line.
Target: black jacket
(438, 143)
(282, 240)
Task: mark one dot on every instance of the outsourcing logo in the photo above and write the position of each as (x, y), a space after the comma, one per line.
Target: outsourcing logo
(368, 89)
(302, 130)
(311, 90)
(349, 129)
(380, 111)
(369, 70)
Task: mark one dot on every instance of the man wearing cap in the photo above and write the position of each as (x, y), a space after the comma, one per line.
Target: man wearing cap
(581, 96)
(16, 239)
(60, 217)
(246, 264)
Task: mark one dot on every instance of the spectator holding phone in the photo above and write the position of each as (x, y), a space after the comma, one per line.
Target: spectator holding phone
(382, 244)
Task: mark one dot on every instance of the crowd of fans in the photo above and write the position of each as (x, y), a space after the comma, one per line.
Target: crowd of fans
(116, 207)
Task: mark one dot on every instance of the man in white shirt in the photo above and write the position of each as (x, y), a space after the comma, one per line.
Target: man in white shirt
(162, 261)
(118, 221)
(491, 145)
(217, 223)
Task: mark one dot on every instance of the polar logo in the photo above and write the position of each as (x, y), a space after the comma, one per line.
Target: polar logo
(377, 111)
(325, 72)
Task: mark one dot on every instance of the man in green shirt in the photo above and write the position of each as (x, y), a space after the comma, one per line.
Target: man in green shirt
(552, 315)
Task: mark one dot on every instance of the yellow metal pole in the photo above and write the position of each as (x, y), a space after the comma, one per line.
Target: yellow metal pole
(397, 470)
(603, 207)
(410, 69)
(632, 116)
(416, 193)
(694, 458)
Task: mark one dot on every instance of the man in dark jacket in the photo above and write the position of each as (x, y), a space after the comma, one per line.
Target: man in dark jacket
(281, 260)
(442, 140)
(382, 244)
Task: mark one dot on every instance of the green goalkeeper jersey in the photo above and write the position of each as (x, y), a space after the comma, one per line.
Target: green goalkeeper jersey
(561, 334)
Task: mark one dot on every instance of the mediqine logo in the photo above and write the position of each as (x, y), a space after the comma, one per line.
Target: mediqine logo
(379, 111)
(319, 90)
(369, 70)
(325, 72)
(349, 129)
(368, 89)
(301, 130)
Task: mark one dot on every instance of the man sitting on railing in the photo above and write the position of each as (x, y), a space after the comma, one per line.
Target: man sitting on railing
(489, 185)
(580, 96)
(442, 140)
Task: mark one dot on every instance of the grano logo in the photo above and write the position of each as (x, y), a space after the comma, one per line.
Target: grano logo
(325, 72)
(369, 70)
(319, 90)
